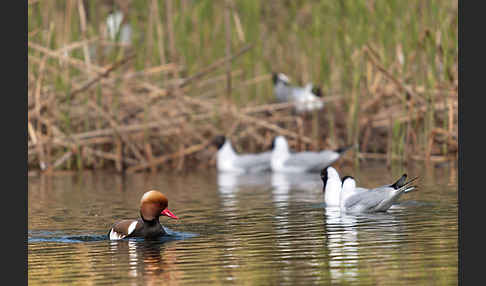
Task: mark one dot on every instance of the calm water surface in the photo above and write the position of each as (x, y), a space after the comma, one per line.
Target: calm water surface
(269, 229)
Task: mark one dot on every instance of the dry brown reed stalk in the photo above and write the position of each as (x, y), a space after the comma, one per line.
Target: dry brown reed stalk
(372, 57)
(170, 29)
(81, 65)
(43, 164)
(108, 117)
(389, 145)
(248, 119)
(164, 158)
(382, 156)
(381, 119)
(215, 65)
(82, 20)
(227, 27)
(156, 117)
(104, 74)
(160, 33)
(115, 126)
(86, 150)
(238, 26)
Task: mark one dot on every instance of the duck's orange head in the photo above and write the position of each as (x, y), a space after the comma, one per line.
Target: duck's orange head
(154, 204)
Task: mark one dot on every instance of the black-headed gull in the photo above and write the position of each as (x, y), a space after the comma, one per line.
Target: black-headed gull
(297, 162)
(228, 160)
(115, 27)
(379, 199)
(306, 98)
(332, 186)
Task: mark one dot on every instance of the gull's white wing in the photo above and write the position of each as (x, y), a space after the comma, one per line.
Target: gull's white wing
(312, 161)
(254, 162)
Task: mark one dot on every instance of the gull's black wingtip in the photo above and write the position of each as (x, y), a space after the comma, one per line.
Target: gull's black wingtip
(342, 150)
(400, 182)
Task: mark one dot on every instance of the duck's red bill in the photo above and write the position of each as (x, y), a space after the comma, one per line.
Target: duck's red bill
(168, 213)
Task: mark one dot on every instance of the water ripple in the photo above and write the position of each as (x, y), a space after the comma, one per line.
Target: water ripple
(267, 232)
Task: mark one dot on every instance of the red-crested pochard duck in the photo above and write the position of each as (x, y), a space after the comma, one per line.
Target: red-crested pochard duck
(152, 205)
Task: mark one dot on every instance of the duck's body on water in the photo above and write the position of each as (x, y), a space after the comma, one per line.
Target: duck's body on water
(152, 205)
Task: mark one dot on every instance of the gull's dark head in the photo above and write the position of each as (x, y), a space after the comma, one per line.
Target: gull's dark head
(273, 143)
(324, 177)
(317, 91)
(218, 141)
(274, 78)
(280, 77)
(331, 176)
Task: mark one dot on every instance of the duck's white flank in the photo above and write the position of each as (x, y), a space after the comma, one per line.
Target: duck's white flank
(117, 236)
(132, 227)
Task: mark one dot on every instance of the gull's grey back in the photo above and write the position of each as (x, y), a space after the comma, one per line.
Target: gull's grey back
(312, 161)
(254, 162)
(366, 200)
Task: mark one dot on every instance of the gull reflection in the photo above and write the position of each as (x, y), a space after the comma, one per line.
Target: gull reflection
(346, 233)
(342, 244)
(306, 184)
(287, 188)
(231, 180)
(230, 183)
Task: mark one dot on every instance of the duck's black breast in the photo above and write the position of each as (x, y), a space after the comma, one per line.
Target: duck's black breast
(150, 229)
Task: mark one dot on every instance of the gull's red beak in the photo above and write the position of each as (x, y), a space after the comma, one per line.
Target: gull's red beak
(168, 213)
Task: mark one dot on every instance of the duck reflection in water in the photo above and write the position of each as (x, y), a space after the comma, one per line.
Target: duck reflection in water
(153, 259)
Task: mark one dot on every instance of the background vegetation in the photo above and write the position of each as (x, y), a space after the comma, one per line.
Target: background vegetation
(195, 69)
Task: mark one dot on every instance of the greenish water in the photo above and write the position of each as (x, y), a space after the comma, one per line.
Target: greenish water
(269, 229)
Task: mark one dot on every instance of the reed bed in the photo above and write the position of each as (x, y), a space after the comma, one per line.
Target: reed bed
(196, 69)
